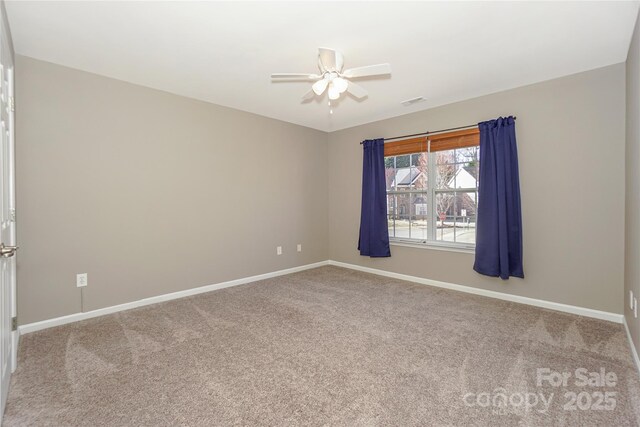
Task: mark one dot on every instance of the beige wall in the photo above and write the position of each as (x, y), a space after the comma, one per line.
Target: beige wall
(571, 148)
(5, 25)
(151, 193)
(632, 242)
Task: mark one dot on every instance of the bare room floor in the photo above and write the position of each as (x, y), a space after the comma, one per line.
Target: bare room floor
(327, 346)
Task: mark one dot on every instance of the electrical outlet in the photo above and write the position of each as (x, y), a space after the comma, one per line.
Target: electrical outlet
(279, 250)
(82, 280)
(630, 299)
(299, 247)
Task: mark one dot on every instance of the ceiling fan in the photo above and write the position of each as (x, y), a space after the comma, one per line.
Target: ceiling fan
(332, 78)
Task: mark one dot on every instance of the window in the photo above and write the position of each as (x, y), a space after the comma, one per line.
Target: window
(432, 189)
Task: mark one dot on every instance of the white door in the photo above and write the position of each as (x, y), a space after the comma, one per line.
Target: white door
(8, 337)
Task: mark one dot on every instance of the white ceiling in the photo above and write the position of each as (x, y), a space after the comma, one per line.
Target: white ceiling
(224, 52)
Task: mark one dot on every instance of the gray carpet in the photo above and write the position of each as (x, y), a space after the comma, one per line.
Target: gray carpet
(327, 346)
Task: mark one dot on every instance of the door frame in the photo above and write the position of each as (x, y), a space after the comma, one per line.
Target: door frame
(15, 336)
(8, 217)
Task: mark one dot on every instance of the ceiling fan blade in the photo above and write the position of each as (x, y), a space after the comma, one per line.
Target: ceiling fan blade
(330, 60)
(369, 70)
(339, 61)
(309, 95)
(357, 90)
(320, 86)
(295, 76)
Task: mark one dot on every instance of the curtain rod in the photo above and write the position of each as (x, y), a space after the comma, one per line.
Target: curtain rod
(430, 132)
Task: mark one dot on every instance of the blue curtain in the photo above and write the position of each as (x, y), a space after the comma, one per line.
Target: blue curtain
(499, 219)
(374, 234)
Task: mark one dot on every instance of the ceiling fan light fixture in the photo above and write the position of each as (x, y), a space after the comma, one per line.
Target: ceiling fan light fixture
(340, 84)
(319, 86)
(334, 93)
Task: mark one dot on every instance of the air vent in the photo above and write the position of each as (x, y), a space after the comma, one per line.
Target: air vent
(413, 101)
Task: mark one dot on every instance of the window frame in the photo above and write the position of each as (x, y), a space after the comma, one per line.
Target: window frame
(430, 193)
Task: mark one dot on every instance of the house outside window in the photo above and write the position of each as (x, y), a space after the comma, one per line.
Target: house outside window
(432, 189)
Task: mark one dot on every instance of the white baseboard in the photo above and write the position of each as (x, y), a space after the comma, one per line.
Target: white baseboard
(588, 312)
(50, 323)
(634, 353)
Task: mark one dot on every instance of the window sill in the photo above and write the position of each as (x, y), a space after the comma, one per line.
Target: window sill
(435, 246)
